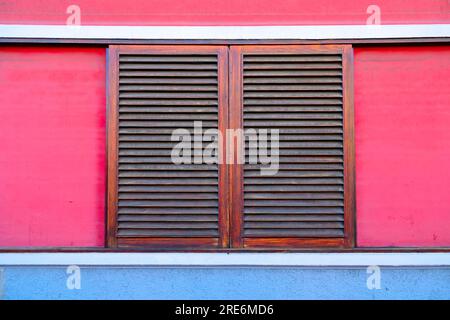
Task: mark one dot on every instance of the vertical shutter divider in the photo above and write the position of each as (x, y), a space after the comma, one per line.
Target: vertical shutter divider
(349, 149)
(112, 145)
(236, 170)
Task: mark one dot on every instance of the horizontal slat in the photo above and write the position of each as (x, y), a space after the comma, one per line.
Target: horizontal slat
(293, 188)
(205, 138)
(301, 233)
(171, 124)
(308, 152)
(292, 80)
(296, 159)
(188, 74)
(305, 145)
(295, 174)
(300, 130)
(168, 66)
(166, 102)
(294, 211)
(171, 211)
(292, 225)
(293, 123)
(293, 203)
(169, 196)
(175, 88)
(153, 130)
(167, 58)
(169, 117)
(301, 116)
(169, 95)
(164, 189)
(168, 174)
(293, 196)
(169, 203)
(292, 73)
(299, 181)
(166, 233)
(292, 94)
(293, 217)
(167, 225)
(157, 152)
(168, 110)
(189, 127)
(302, 137)
(292, 109)
(285, 65)
(169, 81)
(164, 167)
(154, 152)
(168, 217)
(290, 87)
(177, 182)
(299, 167)
(294, 101)
(141, 159)
(248, 58)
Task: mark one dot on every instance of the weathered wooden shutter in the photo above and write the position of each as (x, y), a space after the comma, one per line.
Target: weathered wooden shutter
(301, 91)
(154, 91)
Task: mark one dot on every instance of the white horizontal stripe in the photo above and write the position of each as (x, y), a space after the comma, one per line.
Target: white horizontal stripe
(226, 32)
(226, 259)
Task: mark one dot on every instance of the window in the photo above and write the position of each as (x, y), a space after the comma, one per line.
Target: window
(230, 147)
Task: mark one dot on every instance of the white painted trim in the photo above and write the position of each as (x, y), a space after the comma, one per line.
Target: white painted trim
(226, 259)
(226, 32)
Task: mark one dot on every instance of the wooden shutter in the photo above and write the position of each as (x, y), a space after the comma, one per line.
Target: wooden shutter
(304, 91)
(151, 201)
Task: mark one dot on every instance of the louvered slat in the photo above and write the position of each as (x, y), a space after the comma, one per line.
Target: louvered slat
(160, 92)
(302, 96)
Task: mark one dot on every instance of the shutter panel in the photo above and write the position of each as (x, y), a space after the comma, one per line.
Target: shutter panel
(161, 89)
(300, 92)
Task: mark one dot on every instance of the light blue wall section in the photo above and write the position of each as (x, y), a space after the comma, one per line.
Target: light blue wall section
(224, 283)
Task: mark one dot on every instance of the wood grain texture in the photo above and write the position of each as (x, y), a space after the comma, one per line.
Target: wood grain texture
(349, 150)
(278, 86)
(236, 169)
(292, 243)
(224, 179)
(168, 243)
(275, 87)
(155, 203)
(112, 146)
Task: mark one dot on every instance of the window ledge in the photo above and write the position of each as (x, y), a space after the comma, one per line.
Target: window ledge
(226, 32)
(359, 259)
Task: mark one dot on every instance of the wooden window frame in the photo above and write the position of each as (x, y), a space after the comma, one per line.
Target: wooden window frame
(352, 42)
(236, 121)
(112, 240)
(230, 176)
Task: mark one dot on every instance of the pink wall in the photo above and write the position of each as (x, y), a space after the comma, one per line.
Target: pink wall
(223, 12)
(402, 119)
(52, 138)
